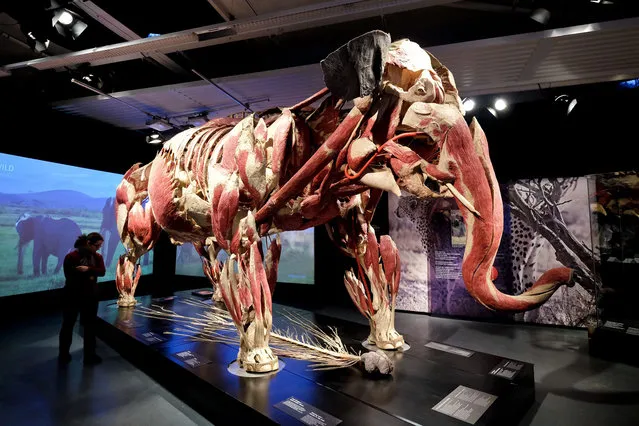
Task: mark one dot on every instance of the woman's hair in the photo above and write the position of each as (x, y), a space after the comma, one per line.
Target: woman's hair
(84, 239)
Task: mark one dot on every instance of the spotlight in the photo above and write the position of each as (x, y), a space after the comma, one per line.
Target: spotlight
(566, 102)
(65, 18)
(37, 29)
(154, 139)
(492, 111)
(39, 45)
(469, 104)
(572, 105)
(540, 15)
(68, 23)
(500, 104)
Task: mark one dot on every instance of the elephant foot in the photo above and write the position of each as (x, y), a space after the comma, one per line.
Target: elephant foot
(126, 301)
(383, 333)
(389, 343)
(258, 360)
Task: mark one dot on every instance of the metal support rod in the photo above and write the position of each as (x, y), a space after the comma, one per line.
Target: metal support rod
(100, 92)
(196, 72)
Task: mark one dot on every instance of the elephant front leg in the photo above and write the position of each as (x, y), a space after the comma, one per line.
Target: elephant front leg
(127, 275)
(373, 288)
(36, 258)
(383, 333)
(374, 291)
(247, 295)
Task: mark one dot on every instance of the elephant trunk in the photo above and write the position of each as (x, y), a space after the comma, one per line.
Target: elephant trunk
(476, 181)
(21, 246)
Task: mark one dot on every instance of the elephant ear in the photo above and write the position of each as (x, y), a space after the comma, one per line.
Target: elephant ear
(355, 69)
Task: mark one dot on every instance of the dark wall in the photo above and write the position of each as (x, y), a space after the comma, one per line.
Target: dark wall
(35, 131)
(538, 139)
(38, 132)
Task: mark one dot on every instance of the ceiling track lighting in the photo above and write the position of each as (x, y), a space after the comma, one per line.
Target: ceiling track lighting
(566, 103)
(540, 15)
(68, 23)
(154, 139)
(156, 123)
(500, 104)
(469, 104)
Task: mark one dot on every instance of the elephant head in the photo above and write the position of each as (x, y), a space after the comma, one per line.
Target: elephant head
(437, 154)
(26, 227)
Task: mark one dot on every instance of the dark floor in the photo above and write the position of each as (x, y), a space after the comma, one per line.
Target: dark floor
(572, 387)
(34, 391)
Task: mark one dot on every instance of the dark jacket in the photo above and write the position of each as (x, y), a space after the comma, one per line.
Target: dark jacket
(83, 283)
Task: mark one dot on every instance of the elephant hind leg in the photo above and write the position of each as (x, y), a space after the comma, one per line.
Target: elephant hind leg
(43, 263)
(59, 265)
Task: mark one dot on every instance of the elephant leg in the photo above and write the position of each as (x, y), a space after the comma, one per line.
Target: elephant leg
(20, 258)
(137, 228)
(247, 296)
(211, 266)
(374, 287)
(58, 266)
(36, 257)
(43, 263)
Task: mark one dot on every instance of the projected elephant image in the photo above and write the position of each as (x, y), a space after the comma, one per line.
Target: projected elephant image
(51, 237)
(109, 230)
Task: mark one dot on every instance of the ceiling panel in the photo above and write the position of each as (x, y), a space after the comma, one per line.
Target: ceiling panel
(584, 54)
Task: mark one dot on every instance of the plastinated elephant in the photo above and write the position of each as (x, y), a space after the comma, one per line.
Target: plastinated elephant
(51, 237)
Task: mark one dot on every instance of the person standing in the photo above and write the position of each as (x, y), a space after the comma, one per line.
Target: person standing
(82, 267)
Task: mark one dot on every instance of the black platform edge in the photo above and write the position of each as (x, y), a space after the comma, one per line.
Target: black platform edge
(220, 407)
(191, 389)
(495, 320)
(616, 345)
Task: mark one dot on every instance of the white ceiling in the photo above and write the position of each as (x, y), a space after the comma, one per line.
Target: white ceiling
(591, 53)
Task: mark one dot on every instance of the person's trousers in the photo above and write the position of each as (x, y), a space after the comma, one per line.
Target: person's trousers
(88, 310)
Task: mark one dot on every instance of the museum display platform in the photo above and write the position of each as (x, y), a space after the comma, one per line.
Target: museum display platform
(432, 384)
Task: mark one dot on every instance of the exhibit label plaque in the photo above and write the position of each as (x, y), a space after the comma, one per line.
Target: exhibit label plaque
(191, 358)
(448, 265)
(507, 368)
(614, 325)
(306, 413)
(450, 349)
(633, 330)
(128, 323)
(465, 404)
(151, 337)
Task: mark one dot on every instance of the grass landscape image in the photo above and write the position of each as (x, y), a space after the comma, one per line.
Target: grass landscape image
(38, 194)
(297, 262)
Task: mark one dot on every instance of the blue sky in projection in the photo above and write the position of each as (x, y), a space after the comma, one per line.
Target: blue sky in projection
(19, 175)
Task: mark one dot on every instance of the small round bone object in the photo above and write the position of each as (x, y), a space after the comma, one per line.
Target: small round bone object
(377, 362)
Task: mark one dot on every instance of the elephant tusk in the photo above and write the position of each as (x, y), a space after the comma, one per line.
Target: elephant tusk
(462, 199)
